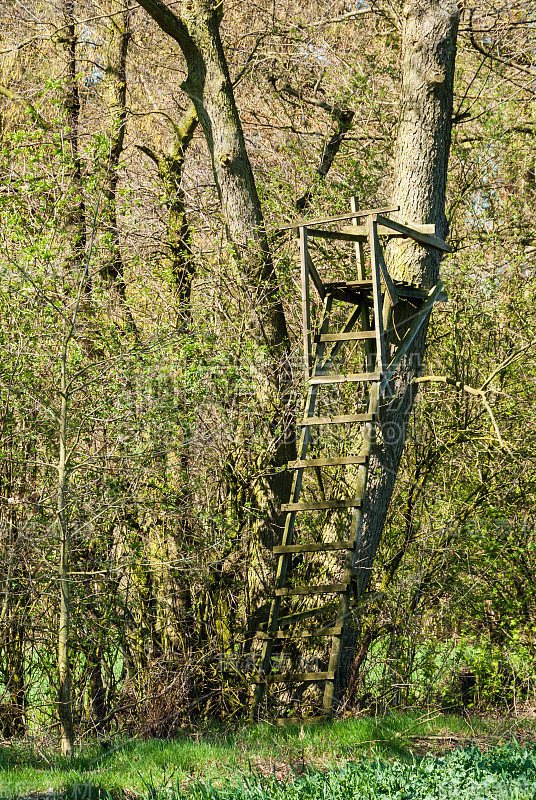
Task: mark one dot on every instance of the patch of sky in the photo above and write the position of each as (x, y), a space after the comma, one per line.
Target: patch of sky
(89, 39)
(314, 53)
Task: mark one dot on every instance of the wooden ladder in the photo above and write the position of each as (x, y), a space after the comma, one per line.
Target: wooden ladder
(326, 605)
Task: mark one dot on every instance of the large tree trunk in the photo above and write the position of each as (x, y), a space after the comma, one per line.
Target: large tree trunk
(115, 97)
(420, 176)
(75, 221)
(179, 256)
(209, 86)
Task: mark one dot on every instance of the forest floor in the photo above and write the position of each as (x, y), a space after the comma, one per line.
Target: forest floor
(134, 768)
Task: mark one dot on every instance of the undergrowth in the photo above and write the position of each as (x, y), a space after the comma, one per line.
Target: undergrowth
(464, 774)
(282, 762)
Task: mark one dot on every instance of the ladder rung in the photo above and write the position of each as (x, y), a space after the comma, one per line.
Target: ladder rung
(327, 462)
(305, 633)
(293, 677)
(355, 285)
(345, 337)
(321, 547)
(353, 502)
(350, 378)
(337, 420)
(354, 297)
(413, 292)
(299, 616)
(326, 588)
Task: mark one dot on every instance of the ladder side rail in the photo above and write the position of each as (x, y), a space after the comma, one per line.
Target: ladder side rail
(343, 611)
(284, 558)
(346, 602)
(358, 246)
(357, 516)
(365, 316)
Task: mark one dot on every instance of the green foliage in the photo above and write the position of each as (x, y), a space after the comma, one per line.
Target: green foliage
(508, 772)
(172, 430)
(316, 761)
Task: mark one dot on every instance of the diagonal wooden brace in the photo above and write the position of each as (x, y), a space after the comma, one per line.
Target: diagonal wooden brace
(411, 333)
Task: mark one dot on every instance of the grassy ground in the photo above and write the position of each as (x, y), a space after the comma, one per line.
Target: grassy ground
(134, 768)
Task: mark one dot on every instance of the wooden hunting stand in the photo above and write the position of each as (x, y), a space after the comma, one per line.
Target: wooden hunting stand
(346, 372)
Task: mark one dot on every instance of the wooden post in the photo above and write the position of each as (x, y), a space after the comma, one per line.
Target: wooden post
(365, 316)
(372, 226)
(306, 304)
(359, 253)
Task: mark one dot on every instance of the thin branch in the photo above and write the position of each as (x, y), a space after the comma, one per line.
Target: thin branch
(489, 55)
(249, 59)
(464, 387)
(30, 108)
(507, 361)
(148, 152)
(42, 38)
(29, 278)
(336, 111)
(342, 116)
(350, 15)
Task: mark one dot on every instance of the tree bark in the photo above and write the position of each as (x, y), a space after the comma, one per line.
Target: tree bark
(75, 223)
(178, 247)
(209, 86)
(420, 176)
(115, 96)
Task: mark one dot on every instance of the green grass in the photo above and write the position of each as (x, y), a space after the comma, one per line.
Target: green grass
(264, 752)
(507, 773)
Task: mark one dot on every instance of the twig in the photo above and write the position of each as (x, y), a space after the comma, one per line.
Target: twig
(476, 393)
(507, 361)
(23, 101)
